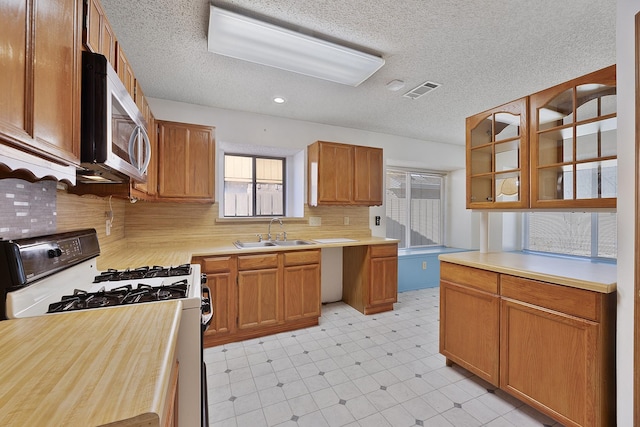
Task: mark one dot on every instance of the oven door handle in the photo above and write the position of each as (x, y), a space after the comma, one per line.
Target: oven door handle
(207, 309)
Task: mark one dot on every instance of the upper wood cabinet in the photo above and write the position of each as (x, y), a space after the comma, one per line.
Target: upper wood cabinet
(186, 159)
(40, 78)
(553, 149)
(497, 157)
(573, 143)
(368, 175)
(125, 72)
(98, 34)
(343, 174)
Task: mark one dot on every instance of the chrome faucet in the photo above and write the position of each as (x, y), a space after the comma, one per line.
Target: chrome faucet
(284, 233)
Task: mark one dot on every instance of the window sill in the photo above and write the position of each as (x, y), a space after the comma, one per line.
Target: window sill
(260, 220)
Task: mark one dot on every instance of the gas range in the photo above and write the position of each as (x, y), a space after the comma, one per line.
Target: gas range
(57, 273)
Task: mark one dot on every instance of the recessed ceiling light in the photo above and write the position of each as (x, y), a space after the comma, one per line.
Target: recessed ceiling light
(279, 100)
(395, 85)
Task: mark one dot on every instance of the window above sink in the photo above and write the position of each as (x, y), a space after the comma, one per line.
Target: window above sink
(260, 181)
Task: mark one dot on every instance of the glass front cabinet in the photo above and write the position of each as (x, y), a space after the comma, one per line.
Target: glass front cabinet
(497, 150)
(573, 143)
(553, 149)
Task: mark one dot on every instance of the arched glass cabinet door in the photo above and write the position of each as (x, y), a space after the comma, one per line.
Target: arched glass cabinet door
(573, 143)
(497, 150)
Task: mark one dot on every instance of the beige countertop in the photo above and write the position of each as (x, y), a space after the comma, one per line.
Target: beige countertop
(130, 254)
(88, 368)
(594, 276)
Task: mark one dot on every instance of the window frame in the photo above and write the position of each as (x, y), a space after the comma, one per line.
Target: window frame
(254, 184)
(407, 237)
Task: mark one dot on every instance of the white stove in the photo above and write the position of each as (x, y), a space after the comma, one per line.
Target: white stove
(56, 274)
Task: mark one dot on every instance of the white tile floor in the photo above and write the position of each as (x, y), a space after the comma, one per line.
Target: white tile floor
(355, 370)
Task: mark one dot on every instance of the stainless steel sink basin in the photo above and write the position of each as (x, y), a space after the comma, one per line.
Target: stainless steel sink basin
(242, 245)
(292, 242)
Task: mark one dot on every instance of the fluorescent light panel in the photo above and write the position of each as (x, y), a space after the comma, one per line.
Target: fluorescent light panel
(251, 40)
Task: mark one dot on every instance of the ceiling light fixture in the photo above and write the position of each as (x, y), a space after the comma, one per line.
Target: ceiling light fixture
(279, 100)
(395, 85)
(249, 39)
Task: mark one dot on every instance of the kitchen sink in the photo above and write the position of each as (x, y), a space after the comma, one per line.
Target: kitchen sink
(242, 245)
(292, 242)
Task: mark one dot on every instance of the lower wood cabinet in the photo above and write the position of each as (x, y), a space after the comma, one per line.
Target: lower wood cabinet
(261, 293)
(550, 346)
(370, 277)
(301, 278)
(470, 320)
(221, 277)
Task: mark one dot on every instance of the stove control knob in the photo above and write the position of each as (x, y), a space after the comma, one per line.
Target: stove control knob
(53, 253)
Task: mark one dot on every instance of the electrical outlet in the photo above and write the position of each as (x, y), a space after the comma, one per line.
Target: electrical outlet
(346, 220)
(377, 219)
(315, 221)
(424, 265)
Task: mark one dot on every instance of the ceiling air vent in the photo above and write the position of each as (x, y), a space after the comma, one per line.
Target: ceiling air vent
(423, 89)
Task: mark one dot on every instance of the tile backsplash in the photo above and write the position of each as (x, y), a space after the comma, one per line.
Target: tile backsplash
(27, 209)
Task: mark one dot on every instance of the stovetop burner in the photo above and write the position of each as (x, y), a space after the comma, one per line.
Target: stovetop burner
(82, 300)
(143, 273)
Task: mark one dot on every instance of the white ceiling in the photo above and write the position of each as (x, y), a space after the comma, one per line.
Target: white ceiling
(484, 53)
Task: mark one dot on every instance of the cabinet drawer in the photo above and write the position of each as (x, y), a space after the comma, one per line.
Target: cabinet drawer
(384, 250)
(473, 277)
(302, 257)
(218, 264)
(572, 301)
(252, 262)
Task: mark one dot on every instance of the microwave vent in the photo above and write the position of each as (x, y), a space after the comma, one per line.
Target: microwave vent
(423, 89)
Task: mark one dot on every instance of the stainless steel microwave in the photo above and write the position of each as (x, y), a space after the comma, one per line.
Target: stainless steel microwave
(114, 143)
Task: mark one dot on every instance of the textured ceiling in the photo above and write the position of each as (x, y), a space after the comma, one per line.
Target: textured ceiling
(484, 53)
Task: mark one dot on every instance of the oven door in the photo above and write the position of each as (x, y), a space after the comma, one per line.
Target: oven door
(207, 317)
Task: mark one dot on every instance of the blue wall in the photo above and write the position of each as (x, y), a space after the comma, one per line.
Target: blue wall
(412, 276)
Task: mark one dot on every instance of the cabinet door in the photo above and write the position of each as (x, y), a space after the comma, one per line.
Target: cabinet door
(125, 72)
(335, 173)
(98, 34)
(497, 157)
(574, 143)
(40, 78)
(368, 172)
(384, 280)
(550, 361)
(221, 285)
(258, 298)
(185, 162)
(469, 329)
(301, 291)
